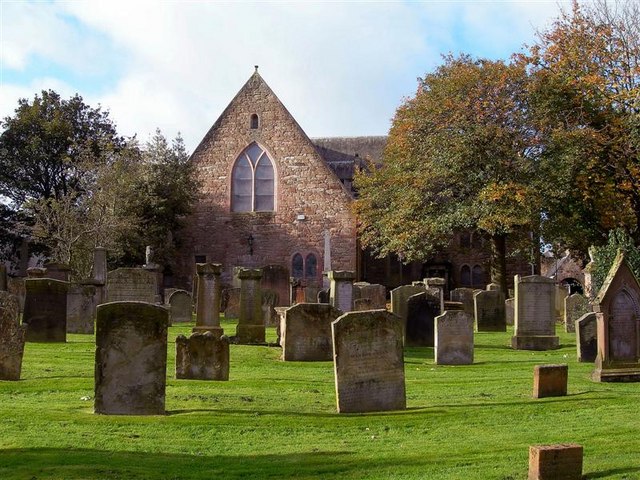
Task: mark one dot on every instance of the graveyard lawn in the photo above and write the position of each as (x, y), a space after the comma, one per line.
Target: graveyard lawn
(278, 420)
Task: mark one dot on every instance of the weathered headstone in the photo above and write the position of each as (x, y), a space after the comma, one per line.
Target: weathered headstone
(202, 356)
(132, 285)
(306, 332)
(587, 337)
(12, 337)
(209, 297)
(400, 297)
(280, 327)
(250, 328)
(131, 358)
(360, 304)
(323, 296)
(489, 311)
(437, 285)
(509, 310)
(375, 293)
(464, 295)
(561, 293)
(555, 462)
(550, 380)
(58, 271)
(100, 265)
(617, 308)
(341, 293)
(269, 302)
(422, 310)
(275, 278)
(82, 300)
(535, 314)
(180, 306)
(454, 338)
(368, 362)
(231, 302)
(575, 306)
(45, 310)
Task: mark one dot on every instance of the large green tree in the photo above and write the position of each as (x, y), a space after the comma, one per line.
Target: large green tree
(459, 156)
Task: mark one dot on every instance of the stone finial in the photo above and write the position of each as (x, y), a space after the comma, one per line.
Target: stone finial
(256, 67)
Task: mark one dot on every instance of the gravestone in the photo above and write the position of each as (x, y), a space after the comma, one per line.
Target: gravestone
(323, 296)
(489, 311)
(341, 292)
(275, 278)
(180, 306)
(437, 285)
(12, 337)
(132, 285)
(560, 294)
(250, 328)
(368, 362)
(555, 462)
(131, 358)
(269, 302)
(306, 332)
(575, 306)
(454, 338)
(202, 356)
(587, 337)
(100, 265)
(535, 314)
(399, 298)
(58, 271)
(209, 298)
(280, 325)
(231, 302)
(375, 293)
(509, 311)
(360, 304)
(45, 310)
(465, 296)
(617, 308)
(82, 300)
(422, 310)
(550, 380)
(311, 294)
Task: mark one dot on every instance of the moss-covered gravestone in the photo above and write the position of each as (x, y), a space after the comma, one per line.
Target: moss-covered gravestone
(202, 356)
(306, 335)
(131, 358)
(12, 336)
(45, 310)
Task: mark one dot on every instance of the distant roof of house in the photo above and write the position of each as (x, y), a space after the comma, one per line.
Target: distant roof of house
(343, 154)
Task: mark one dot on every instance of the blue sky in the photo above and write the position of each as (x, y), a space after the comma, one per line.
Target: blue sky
(341, 68)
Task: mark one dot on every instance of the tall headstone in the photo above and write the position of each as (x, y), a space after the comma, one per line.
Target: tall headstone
(132, 285)
(45, 310)
(509, 311)
(100, 265)
(465, 296)
(375, 293)
(131, 358)
(209, 296)
(250, 328)
(368, 362)
(202, 356)
(12, 337)
(180, 307)
(489, 311)
(341, 294)
(454, 338)
(306, 336)
(617, 308)
(575, 306)
(439, 285)
(560, 294)
(535, 314)
(82, 300)
(422, 310)
(587, 337)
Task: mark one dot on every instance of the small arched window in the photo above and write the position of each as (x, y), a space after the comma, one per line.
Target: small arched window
(310, 266)
(465, 275)
(477, 276)
(253, 181)
(254, 121)
(297, 266)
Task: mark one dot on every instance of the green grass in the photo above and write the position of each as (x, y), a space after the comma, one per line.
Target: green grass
(279, 420)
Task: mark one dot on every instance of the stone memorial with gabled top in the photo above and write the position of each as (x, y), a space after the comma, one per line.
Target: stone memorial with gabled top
(535, 327)
(368, 362)
(617, 309)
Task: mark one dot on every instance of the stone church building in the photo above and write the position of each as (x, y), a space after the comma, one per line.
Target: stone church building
(270, 195)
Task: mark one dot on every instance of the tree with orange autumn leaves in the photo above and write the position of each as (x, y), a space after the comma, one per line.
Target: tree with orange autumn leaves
(544, 143)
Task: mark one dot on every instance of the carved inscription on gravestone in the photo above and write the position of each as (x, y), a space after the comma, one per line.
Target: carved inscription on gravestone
(131, 284)
(368, 362)
(454, 338)
(623, 336)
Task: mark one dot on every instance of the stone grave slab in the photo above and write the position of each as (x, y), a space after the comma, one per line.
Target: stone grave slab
(575, 306)
(587, 337)
(307, 332)
(202, 356)
(132, 284)
(454, 338)
(180, 306)
(422, 310)
(489, 311)
(535, 317)
(45, 310)
(12, 337)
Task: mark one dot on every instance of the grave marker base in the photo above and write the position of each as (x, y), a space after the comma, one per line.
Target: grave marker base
(250, 334)
(535, 342)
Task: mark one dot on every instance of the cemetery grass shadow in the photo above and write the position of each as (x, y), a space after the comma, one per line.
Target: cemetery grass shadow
(89, 464)
(613, 471)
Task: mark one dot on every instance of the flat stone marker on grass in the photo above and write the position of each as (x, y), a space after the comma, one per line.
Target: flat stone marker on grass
(12, 337)
(454, 338)
(202, 356)
(587, 337)
(131, 358)
(535, 321)
(45, 310)
(306, 335)
(550, 380)
(368, 362)
(555, 462)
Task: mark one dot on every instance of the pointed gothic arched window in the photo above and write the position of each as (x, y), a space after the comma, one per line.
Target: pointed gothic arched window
(253, 181)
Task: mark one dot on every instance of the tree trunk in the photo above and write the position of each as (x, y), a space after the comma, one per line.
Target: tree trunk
(499, 261)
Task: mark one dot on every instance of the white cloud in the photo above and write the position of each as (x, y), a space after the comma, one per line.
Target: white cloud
(340, 68)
